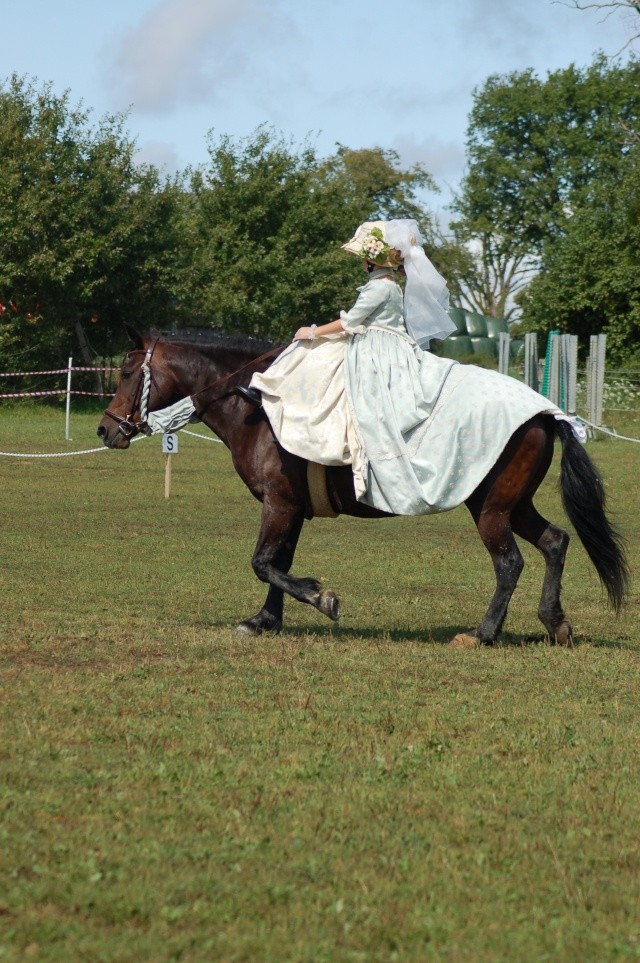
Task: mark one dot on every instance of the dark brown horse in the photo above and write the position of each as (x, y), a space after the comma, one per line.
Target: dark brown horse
(158, 373)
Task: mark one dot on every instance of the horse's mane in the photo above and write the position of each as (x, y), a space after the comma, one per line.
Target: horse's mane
(209, 340)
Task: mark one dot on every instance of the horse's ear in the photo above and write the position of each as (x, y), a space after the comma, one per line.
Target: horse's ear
(136, 339)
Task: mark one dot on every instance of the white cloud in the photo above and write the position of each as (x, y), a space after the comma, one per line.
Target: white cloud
(161, 154)
(183, 50)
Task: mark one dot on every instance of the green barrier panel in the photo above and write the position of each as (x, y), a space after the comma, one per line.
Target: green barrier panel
(544, 390)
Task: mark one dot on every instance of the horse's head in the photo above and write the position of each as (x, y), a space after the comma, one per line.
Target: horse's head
(140, 390)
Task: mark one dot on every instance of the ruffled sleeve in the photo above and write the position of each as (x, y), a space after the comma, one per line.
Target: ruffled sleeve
(372, 296)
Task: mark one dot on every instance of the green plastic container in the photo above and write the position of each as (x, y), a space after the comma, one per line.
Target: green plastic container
(476, 324)
(496, 327)
(487, 347)
(457, 346)
(458, 317)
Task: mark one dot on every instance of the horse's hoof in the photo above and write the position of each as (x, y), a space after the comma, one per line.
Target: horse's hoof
(463, 641)
(329, 604)
(247, 628)
(563, 635)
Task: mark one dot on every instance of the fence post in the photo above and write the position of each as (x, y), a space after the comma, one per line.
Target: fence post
(553, 355)
(531, 360)
(503, 352)
(572, 384)
(595, 377)
(68, 412)
(601, 349)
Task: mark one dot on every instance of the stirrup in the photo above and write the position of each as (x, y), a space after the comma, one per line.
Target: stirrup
(252, 395)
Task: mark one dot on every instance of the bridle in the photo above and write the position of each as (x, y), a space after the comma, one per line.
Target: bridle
(128, 427)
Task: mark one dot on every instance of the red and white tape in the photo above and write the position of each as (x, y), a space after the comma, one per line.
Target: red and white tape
(61, 391)
(28, 374)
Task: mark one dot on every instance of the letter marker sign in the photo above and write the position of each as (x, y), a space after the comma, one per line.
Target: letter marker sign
(169, 447)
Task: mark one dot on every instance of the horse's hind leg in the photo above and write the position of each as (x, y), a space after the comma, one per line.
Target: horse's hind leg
(495, 531)
(552, 542)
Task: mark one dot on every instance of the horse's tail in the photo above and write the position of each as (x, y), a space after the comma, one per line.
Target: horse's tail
(584, 501)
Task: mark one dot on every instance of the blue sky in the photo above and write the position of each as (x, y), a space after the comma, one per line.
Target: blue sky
(362, 74)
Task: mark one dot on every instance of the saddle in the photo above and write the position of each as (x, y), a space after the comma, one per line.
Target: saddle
(321, 506)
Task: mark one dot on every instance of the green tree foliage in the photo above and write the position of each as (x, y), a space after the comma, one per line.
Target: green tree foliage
(266, 223)
(591, 282)
(543, 155)
(86, 236)
(537, 149)
(90, 240)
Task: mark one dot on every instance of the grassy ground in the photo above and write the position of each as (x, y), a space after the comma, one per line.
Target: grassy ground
(358, 792)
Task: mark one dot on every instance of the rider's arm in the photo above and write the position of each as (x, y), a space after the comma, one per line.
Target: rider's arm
(371, 297)
(317, 331)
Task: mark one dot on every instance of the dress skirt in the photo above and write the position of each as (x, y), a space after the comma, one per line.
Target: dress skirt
(420, 432)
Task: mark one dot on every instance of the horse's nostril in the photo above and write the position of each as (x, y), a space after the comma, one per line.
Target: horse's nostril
(101, 432)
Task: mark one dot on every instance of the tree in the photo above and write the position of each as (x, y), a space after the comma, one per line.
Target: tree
(614, 6)
(86, 236)
(487, 276)
(591, 284)
(539, 153)
(266, 223)
(535, 148)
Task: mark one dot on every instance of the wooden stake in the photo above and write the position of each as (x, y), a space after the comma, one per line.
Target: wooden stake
(167, 476)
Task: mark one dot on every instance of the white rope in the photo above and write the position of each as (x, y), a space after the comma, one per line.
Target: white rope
(204, 437)
(606, 431)
(60, 454)
(90, 451)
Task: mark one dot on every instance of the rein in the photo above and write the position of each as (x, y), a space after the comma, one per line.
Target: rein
(232, 374)
(128, 427)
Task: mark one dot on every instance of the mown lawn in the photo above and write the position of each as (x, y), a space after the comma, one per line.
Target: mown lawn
(348, 792)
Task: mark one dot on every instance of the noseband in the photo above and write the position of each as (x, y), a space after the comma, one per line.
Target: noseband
(127, 426)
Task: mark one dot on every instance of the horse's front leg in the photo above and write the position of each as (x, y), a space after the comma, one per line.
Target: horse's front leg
(269, 618)
(273, 556)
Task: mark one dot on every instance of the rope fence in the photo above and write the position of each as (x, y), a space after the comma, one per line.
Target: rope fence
(91, 451)
(37, 374)
(620, 391)
(44, 394)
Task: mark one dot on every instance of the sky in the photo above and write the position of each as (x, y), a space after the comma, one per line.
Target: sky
(399, 76)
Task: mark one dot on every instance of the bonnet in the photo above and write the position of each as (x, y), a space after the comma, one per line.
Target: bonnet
(426, 296)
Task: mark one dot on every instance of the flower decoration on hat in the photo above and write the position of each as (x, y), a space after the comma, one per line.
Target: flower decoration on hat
(369, 243)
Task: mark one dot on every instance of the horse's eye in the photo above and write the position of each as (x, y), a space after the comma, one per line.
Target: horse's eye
(125, 374)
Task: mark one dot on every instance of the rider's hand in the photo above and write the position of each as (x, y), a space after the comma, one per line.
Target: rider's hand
(303, 334)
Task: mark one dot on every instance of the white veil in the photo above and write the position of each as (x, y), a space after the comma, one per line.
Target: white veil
(426, 296)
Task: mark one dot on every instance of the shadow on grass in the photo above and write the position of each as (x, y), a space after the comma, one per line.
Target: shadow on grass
(435, 635)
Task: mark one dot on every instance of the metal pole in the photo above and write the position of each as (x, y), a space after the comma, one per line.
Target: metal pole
(68, 413)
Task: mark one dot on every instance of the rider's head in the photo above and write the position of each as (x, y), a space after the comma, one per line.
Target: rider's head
(370, 244)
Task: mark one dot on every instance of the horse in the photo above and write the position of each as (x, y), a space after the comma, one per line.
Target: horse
(160, 372)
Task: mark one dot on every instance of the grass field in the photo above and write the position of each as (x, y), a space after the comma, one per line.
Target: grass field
(348, 792)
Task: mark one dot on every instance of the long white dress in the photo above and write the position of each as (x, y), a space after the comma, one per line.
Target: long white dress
(420, 432)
